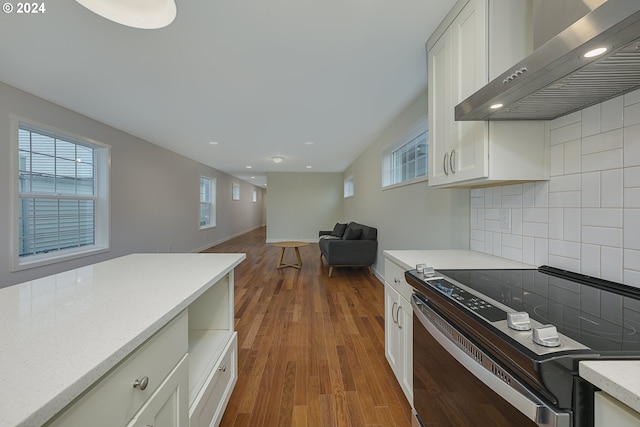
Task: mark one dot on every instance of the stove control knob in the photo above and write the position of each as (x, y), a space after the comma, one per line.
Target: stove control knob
(519, 321)
(546, 335)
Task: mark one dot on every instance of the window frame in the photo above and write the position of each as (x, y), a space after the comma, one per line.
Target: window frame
(102, 184)
(213, 194)
(387, 155)
(349, 187)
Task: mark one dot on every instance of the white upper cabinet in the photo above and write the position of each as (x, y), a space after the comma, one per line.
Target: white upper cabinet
(478, 40)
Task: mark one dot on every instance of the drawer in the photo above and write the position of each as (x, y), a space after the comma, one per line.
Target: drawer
(394, 276)
(169, 405)
(209, 405)
(112, 400)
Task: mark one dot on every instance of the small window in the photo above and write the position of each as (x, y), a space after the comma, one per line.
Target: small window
(255, 196)
(406, 160)
(63, 206)
(207, 202)
(348, 187)
(235, 191)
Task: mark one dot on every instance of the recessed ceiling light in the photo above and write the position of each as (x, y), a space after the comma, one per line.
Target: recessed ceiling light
(148, 14)
(309, 143)
(277, 159)
(309, 166)
(595, 52)
(248, 167)
(253, 177)
(213, 143)
(496, 106)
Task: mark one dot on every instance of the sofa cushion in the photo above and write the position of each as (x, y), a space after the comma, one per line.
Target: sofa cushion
(329, 237)
(338, 229)
(353, 234)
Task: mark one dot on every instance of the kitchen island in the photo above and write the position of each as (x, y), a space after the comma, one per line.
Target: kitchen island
(63, 334)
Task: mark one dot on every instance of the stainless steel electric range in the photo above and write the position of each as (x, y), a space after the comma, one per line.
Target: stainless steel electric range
(502, 347)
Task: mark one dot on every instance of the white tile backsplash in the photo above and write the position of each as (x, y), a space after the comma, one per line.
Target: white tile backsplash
(632, 146)
(591, 192)
(612, 182)
(612, 114)
(586, 218)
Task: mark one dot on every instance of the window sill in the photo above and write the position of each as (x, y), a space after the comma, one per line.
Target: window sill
(403, 183)
(42, 260)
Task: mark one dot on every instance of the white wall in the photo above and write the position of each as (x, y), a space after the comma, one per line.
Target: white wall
(586, 218)
(154, 192)
(408, 217)
(301, 204)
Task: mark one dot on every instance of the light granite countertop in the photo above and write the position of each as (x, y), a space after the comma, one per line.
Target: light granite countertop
(450, 259)
(61, 333)
(620, 379)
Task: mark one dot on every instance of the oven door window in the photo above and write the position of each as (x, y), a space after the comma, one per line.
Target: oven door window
(446, 394)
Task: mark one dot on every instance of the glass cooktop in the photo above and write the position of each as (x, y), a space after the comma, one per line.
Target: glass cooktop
(602, 315)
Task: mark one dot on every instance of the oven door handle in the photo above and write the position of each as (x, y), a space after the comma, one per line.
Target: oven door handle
(483, 367)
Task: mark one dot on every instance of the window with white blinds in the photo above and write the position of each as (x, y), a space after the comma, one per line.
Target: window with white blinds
(405, 160)
(410, 161)
(62, 205)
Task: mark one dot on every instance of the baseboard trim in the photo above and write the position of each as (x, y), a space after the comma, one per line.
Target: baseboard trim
(233, 236)
(292, 240)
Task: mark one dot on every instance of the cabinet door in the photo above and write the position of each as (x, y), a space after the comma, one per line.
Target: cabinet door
(391, 331)
(469, 157)
(169, 405)
(398, 337)
(405, 332)
(610, 412)
(440, 109)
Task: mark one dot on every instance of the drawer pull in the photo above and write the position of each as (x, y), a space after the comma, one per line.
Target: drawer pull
(223, 368)
(141, 384)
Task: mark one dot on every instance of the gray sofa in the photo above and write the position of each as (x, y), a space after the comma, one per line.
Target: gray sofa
(349, 245)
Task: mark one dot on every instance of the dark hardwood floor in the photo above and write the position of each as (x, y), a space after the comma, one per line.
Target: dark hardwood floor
(310, 348)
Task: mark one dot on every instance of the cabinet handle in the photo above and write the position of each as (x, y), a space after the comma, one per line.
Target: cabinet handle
(393, 308)
(223, 368)
(452, 161)
(398, 317)
(445, 162)
(141, 384)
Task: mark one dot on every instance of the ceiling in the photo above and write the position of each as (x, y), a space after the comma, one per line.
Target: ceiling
(312, 81)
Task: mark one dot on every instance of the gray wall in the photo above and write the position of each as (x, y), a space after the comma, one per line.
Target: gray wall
(412, 216)
(302, 203)
(154, 192)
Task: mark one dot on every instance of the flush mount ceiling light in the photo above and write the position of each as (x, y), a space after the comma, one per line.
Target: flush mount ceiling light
(145, 14)
(277, 159)
(496, 106)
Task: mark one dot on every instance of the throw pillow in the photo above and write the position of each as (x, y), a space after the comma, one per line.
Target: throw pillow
(338, 229)
(353, 234)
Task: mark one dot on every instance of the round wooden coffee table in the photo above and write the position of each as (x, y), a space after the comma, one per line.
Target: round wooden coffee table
(285, 245)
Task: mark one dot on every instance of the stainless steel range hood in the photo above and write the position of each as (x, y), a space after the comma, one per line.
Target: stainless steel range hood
(556, 79)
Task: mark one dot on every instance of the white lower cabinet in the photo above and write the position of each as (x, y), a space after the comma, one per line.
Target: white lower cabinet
(113, 400)
(398, 327)
(168, 407)
(182, 376)
(209, 405)
(609, 412)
